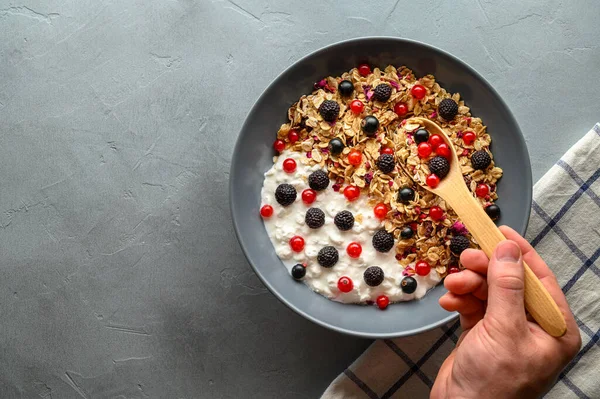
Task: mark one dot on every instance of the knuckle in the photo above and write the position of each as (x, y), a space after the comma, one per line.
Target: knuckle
(510, 282)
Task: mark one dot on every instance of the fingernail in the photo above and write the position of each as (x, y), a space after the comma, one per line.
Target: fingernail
(508, 251)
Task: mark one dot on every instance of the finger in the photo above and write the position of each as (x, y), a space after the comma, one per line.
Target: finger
(475, 259)
(506, 287)
(470, 308)
(467, 282)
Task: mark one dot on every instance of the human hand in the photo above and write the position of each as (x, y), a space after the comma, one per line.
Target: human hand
(502, 352)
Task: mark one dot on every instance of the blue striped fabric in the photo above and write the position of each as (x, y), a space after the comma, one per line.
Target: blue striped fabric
(565, 229)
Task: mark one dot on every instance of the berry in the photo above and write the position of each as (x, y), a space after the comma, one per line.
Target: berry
(387, 150)
(314, 218)
(469, 138)
(380, 211)
(493, 211)
(439, 166)
(424, 150)
(453, 270)
(345, 284)
(266, 211)
(351, 193)
(382, 92)
(297, 243)
(289, 165)
(364, 69)
(400, 109)
(480, 160)
(336, 146)
(373, 276)
(406, 195)
(309, 196)
(328, 256)
(370, 125)
(418, 91)
(435, 140)
(318, 180)
(421, 136)
(285, 194)
(443, 151)
(293, 136)
(386, 163)
(329, 110)
(357, 106)
(436, 213)
(354, 157)
(432, 180)
(448, 109)
(346, 88)
(344, 220)
(383, 241)
(422, 268)
(354, 249)
(482, 190)
(298, 271)
(458, 244)
(408, 285)
(279, 145)
(382, 302)
(406, 233)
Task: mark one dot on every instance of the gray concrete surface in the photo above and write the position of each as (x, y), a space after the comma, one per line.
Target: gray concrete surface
(120, 274)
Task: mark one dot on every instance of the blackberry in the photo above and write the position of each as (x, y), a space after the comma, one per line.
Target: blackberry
(406, 195)
(383, 241)
(407, 233)
(448, 109)
(439, 166)
(285, 194)
(329, 110)
(421, 136)
(328, 256)
(314, 218)
(408, 285)
(344, 220)
(458, 244)
(298, 271)
(493, 211)
(346, 88)
(373, 276)
(382, 92)
(480, 160)
(370, 125)
(336, 146)
(318, 180)
(386, 163)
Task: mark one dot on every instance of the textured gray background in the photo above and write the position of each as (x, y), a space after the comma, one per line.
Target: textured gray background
(121, 276)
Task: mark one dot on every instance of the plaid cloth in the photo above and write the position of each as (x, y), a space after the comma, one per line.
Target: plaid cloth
(565, 229)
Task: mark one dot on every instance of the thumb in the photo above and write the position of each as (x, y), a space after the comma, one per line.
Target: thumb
(506, 283)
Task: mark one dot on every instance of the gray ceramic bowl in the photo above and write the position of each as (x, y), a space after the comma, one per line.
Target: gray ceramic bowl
(253, 156)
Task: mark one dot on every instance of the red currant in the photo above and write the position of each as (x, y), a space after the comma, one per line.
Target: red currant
(432, 180)
(364, 69)
(293, 136)
(354, 250)
(297, 243)
(382, 302)
(435, 140)
(422, 268)
(418, 91)
(345, 284)
(309, 196)
(380, 211)
(453, 270)
(289, 165)
(443, 151)
(469, 138)
(279, 145)
(266, 211)
(354, 157)
(387, 150)
(351, 193)
(400, 109)
(436, 213)
(482, 190)
(424, 150)
(357, 106)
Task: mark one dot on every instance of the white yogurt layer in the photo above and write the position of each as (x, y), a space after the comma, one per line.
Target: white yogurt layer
(287, 222)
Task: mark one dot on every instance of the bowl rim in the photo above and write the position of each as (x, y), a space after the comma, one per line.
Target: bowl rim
(234, 164)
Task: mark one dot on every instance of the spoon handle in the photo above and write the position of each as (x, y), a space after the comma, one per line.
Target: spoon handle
(538, 301)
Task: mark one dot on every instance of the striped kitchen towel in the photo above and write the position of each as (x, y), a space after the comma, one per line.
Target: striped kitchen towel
(565, 229)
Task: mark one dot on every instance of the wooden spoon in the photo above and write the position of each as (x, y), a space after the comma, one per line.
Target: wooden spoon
(454, 191)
